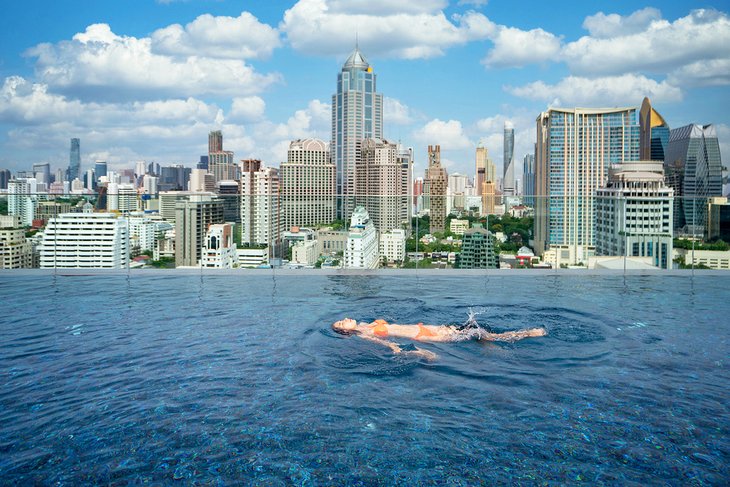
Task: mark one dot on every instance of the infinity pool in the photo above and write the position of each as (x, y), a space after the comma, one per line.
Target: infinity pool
(237, 378)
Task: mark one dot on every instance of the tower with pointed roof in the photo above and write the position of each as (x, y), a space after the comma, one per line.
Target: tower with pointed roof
(357, 114)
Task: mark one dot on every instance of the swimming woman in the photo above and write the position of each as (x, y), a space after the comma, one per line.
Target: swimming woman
(379, 330)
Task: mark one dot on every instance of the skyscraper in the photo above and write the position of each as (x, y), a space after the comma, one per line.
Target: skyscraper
(193, 216)
(654, 133)
(357, 114)
(100, 169)
(528, 170)
(693, 168)
(308, 184)
(575, 148)
(5, 176)
(261, 222)
(42, 173)
(436, 184)
(215, 141)
(508, 176)
(74, 164)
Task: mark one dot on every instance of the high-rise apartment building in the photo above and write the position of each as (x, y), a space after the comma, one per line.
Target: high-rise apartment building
(193, 216)
(693, 168)
(436, 181)
(405, 159)
(508, 174)
(575, 148)
(215, 141)
(634, 213)
(357, 114)
(16, 251)
(22, 195)
(477, 249)
(74, 163)
(85, 241)
(261, 222)
(308, 184)
(654, 133)
(381, 179)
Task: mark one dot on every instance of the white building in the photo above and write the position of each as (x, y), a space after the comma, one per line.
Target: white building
(250, 258)
(144, 230)
(393, 245)
(220, 251)
(85, 240)
(304, 253)
(261, 222)
(361, 251)
(22, 195)
(150, 184)
(201, 181)
(634, 213)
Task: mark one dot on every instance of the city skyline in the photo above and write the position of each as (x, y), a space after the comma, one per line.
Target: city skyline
(461, 71)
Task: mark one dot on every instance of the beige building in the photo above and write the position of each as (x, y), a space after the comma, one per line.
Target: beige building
(331, 241)
(382, 183)
(393, 245)
(45, 210)
(193, 217)
(304, 253)
(436, 181)
(15, 251)
(261, 221)
(458, 227)
(308, 184)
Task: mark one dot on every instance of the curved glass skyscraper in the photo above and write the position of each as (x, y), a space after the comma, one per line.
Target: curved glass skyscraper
(357, 114)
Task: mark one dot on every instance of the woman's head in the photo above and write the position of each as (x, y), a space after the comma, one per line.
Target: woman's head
(345, 327)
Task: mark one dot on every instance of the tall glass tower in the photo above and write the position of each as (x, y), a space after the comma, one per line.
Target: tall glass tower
(575, 148)
(508, 168)
(357, 114)
(74, 164)
(654, 133)
(693, 168)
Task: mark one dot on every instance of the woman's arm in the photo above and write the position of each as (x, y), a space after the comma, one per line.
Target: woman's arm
(426, 354)
(513, 336)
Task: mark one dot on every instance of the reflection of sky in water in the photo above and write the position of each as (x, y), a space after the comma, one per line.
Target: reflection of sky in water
(160, 376)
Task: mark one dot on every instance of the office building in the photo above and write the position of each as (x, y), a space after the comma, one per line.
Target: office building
(22, 195)
(575, 148)
(85, 241)
(477, 249)
(202, 181)
(634, 213)
(308, 184)
(654, 131)
(100, 169)
(193, 215)
(361, 250)
(220, 250)
(229, 192)
(45, 210)
(74, 164)
(436, 181)
(508, 175)
(16, 252)
(42, 173)
(528, 175)
(261, 222)
(174, 178)
(693, 168)
(5, 177)
(357, 114)
(221, 166)
(149, 184)
(381, 183)
(405, 159)
(718, 219)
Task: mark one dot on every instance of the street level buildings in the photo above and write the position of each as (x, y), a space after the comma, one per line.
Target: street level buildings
(634, 213)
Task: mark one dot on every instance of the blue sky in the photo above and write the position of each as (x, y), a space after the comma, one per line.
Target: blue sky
(147, 80)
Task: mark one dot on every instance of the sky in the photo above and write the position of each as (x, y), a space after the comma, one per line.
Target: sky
(148, 79)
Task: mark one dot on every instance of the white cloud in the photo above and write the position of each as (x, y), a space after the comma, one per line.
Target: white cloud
(713, 72)
(247, 109)
(449, 135)
(408, 30)
(627, 89)
(514, 47)
(242, 37)
(476, 3)
(661, 47)
(100, 64)
(613, 25)
(395, 112)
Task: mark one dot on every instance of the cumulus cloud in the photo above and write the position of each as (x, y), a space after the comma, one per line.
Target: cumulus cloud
(448, 134)
(103, 65)
(627, 89)
(713, 72)
(649, 46)
(247, 109)
(603, 25)
(476, 3)
(396, 112)
(242, 37)
(514, 47)
(409, 30)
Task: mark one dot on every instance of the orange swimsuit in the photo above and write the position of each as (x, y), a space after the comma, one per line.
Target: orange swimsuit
(424, 332)
(380, 328)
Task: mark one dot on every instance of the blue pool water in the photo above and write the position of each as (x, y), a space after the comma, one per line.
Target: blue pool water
(229, 379)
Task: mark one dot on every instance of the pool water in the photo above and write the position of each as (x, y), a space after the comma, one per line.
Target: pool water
(238, 379)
